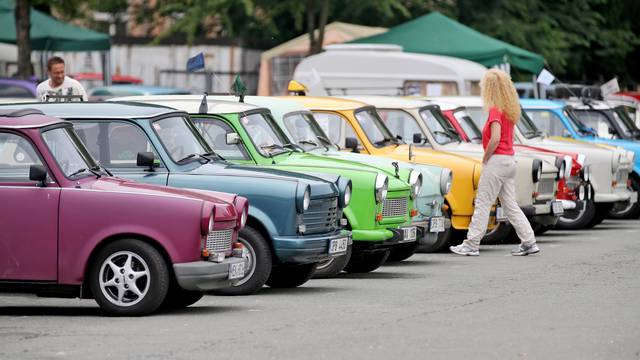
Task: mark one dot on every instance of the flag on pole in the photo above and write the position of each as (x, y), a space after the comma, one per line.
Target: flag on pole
(195, 63)
(610, 87)
(545, 77)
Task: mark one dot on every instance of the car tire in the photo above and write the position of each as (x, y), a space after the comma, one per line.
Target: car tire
(539, 229)
(332, 267)
(443, 240)
(601, 212)
(402, 251)
(367, 261)
(630, 211)
(259, 268)
(141, 267)
(179, 298)
(290, 276)
(499, 234)
(574, 220)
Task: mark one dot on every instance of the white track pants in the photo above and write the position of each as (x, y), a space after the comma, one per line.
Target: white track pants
(498, 180)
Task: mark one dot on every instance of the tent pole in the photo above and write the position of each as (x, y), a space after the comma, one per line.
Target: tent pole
(535, 87)
(106, 67)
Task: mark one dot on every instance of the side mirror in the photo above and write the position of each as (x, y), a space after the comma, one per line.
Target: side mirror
(351, 143)
(146, 159)
(38, 173)
(417, 138)
(233, 138)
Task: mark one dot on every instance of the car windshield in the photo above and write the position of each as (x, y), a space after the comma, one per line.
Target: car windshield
(599, 121)
(478, 115)
(265, 134)
(468, 126)
(374, 128)
(621, 117)
(71, 156)
(180, 139)
(439, 127)
(307, 132)
(527, 127)
(401, 123)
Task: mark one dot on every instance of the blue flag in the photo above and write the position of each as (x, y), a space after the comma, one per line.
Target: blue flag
(195, 63)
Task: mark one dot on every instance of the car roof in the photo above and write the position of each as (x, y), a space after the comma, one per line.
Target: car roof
(389, 101)
(595, 104)
(140, 89)
(102, 110)
(25, 118)
(466, 101)
(325, 103)
(191, 103)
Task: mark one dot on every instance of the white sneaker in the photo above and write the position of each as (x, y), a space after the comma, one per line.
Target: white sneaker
(464, 249)
(525, 249)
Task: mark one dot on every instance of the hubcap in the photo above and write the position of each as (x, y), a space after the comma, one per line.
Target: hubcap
(124, 278)
(325, 264)
(573, 216)
(251, 262)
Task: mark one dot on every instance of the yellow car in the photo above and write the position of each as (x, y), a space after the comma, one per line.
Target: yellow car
(352, 124)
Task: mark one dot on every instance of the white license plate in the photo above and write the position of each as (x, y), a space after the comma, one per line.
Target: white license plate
(500, 214)
(634, 197)
(557, 208)
(409, 233)
(338, 245)
(436, 224)
(236, 270)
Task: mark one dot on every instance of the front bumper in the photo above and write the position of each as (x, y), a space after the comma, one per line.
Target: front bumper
(620, 195)
(308, 248)
(206, 275)
(426, 236)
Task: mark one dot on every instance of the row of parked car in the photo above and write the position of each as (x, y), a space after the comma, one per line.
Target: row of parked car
(148, 202)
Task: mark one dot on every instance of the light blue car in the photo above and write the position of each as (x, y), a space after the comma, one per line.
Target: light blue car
(594, 122)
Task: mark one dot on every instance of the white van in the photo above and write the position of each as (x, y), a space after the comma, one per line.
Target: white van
(372, 69)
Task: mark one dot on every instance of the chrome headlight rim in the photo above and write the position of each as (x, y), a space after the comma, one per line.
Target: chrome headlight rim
(303, 199)
(381, 187)
(569, 166)
(446, 180)
(346, 196)
(536, 170)
(212, 222)
(415, 181)
(561, 164)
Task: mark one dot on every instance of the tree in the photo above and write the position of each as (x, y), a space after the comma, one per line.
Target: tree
(23, 39)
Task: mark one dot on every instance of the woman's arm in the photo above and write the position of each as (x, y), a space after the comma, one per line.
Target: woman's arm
(493, 141)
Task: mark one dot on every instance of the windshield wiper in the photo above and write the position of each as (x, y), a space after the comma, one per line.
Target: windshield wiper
(382, 142)
(190, 156)
(308, 142)
(212, 153)
(92, 170)
(294, 147)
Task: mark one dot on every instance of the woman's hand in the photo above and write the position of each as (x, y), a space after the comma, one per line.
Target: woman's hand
(493, 142)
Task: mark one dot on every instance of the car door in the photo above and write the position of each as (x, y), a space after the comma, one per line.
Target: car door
(28, 215)
(116, 144)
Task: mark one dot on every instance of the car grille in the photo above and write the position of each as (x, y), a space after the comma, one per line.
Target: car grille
(219, 241)
(395, 207)
(321, 216)
(545, 187)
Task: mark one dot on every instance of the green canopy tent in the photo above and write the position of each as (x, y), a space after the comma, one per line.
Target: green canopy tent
(49, 34)
(437, 34)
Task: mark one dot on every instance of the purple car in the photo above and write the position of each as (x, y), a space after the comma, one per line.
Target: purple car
(69, 229)
(16, 88)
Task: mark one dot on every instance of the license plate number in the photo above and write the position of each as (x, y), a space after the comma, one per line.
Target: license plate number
(338, 245)
(436, 224)
(557, 208)
(500, 214)
(634, 197)
(409, 233)
(236, 270)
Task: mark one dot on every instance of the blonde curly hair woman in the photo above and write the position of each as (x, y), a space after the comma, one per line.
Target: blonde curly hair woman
(500, 99)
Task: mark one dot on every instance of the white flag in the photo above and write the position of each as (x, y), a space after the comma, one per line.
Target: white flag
(609, 87)
(545, 77)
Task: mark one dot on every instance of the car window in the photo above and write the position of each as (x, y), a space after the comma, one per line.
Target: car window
(261, 128)
(547, 121)
(439, 127)
(478, 115)
(468, 126)
(68, 152)
(400, 123)
(16, 157)
(215, 132)
(115, 144)
(331, 124)
(598, 121)
(301, 130)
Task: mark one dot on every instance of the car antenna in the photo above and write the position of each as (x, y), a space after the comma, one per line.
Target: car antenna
(204, 107)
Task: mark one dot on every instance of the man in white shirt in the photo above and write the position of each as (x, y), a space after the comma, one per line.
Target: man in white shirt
(59, 87)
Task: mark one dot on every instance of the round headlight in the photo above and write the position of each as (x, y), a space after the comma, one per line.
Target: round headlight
(243, 218)
(306, 200)
(446, 178)
(415, 181)
(587, 173)
(569, 166)
(580, 159)
(381, 188)
(536, 171)
(347, 196)
(211, 222)
(561, 170)
(581, 192)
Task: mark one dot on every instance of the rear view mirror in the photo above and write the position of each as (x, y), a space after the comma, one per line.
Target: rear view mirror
(38, 173)
(146, 159)
(417, 138)
(233, 138)
(351, 143)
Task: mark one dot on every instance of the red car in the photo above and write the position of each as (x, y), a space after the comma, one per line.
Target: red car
(69, 229)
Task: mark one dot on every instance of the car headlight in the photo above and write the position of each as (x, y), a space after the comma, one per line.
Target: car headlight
(303, 198)
(211, 222)
(415, 180)
(569, 166)
(581, 159)
(586, 173)
(581, 192)
(446, 179)
(243, 218)
(536, 170)
(561, 165)
(381, 188)
(346, 197)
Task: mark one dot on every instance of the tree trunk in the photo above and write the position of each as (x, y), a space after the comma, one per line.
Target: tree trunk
(324, 13)
(311, 24)
(23, 38)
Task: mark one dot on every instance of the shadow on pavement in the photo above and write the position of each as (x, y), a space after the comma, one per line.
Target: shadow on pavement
(407, 263)
(380, 275)
(49, 311)
(307, 289)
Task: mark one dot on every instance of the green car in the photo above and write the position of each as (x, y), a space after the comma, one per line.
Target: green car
(299, 124)
(381, 207)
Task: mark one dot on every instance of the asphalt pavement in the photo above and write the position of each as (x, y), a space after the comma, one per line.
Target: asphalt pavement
(578, 299)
